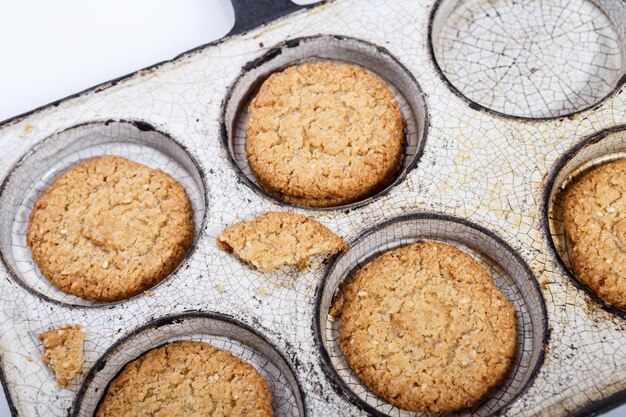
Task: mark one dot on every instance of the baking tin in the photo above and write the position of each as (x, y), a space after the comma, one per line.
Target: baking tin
(475, 174)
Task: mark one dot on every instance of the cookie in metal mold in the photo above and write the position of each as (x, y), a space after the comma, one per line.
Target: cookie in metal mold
(425, 328)
(530, 59)
(592, 152)
(373, 58)
(217, 330)
(324, 134)
(187, 377)
(110, 228)
(35, 172)
(510, 273)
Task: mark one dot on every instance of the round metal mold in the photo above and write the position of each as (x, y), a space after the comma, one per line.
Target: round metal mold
(373, 58)
(527, 58)
(510, 273)
(218, 330)
(605, 146)
(135, 140)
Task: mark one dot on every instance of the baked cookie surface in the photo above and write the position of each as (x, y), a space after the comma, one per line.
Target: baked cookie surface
(63, 352)
(324, 134)
(109, 228)
(425, 328)
(594, 215)
(187, 379)
(277, 239)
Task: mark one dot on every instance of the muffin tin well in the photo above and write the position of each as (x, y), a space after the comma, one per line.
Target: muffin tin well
(510, 274)
(220, 331)
(605, 146)
(482, 173)
(532, 59)
(137, 141)
(371, 57)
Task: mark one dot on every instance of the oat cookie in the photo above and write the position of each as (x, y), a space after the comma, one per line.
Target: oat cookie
(324, 134)
(110, 228)
(425, 328)
(187, 379)
(277, 239)
(63, 352)
(594, 215)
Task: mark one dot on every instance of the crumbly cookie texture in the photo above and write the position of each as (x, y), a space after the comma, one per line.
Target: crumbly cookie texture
(63, 352)
(187, 379)
(277, 239)
(425, 328)
(594, 215)
(110, 228)
(324, 134)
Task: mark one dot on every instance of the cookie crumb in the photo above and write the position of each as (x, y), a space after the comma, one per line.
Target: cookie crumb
(219, 288)
(336, 305)
(287, 284)
(261, 292)
(148, 293)
(278, 239)
(63, 352)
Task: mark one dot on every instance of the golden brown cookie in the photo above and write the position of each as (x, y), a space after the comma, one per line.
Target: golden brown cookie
(187, 379)
(324, 134)
(277, 239)
(63, 352)
(110, 228)
(594, 215)
(425, 328)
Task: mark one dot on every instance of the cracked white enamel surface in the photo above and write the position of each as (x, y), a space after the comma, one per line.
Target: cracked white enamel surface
(529, 58)
(487, 169)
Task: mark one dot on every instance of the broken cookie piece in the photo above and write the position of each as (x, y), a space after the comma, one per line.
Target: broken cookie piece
(63, 352)
(277, 239)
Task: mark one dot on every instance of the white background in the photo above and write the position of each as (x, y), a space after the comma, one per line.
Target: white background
(51, 49)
